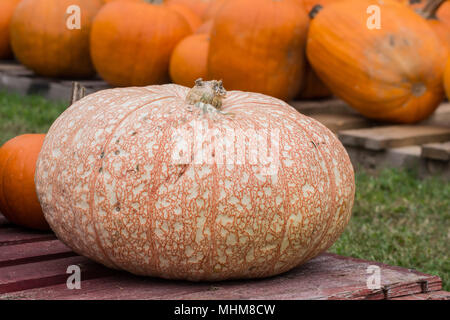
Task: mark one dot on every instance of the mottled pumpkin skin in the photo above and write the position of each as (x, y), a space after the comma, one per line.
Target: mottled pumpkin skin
(18, 199)
(131, 42)
(391, 74)
(6, 11)
(259, 46)
(42, 42)
(189, 59)
(109, 188)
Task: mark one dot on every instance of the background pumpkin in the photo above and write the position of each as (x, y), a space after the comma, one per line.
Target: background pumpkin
(442, 28)
(386, 74)
(42, 42)
(248, 57)
(18, 199)
(111, 189)
(189, 60)
(131, 42)
(6, 11)
(197, 6)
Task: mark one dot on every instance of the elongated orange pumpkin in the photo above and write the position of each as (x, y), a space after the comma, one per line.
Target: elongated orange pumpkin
(259, 46)
(189, 59)
(51, 37)
(131, 42)
(393, 73)
(198, 184)
(6, 11)
(18, 199)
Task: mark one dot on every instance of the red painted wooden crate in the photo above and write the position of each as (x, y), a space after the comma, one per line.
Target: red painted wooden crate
(33, 265)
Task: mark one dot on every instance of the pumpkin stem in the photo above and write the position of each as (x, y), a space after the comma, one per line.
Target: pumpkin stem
(78, 92)
(314, 11)
(208, 92)
(430, 9)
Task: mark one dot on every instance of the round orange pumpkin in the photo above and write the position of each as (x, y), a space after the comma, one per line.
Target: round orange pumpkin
(275, 188)
(6, 11)
(131, 42)
(18, 199)
(259, 46)
(392, 74)
(42, 41)
(189, 59)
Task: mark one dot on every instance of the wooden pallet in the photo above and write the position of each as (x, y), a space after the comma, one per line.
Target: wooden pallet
(370, 144)
(373, 145)
(33, 265)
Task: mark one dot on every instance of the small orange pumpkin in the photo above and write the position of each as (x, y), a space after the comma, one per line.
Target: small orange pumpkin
(131, 42)
(259, 46)
(43, 42)
(447, 79)
(189, 59)
(18, 199)
(392, 74)
(6, 11)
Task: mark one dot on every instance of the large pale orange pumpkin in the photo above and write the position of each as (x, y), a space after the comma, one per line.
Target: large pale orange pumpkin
(189, 59)
(131, 42)
(6, 11)
(393, 73)
(42, 41)
(18, 199)
(263, 190)
(259, 46)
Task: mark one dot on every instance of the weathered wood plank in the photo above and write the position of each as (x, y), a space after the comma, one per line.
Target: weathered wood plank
(437, 151)
(13, 235)
(441, 117)
(326, 277)
(47, 273)
(34, 252)
(381, 138)
(338, 122)
(330, 106)
(435, 295)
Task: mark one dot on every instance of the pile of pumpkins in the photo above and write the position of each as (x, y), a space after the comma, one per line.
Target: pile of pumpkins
(288, 49)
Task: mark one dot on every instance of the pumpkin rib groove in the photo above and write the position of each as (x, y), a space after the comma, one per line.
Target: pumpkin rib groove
(93, 179)
(332, 188)
(77, 128)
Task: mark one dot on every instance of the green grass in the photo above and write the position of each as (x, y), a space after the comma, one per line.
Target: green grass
(398, 219)
(30, 114)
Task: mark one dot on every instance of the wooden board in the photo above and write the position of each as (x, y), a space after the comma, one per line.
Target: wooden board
(36, 268)
(339, 122)
(437, 151)
(381, 138)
